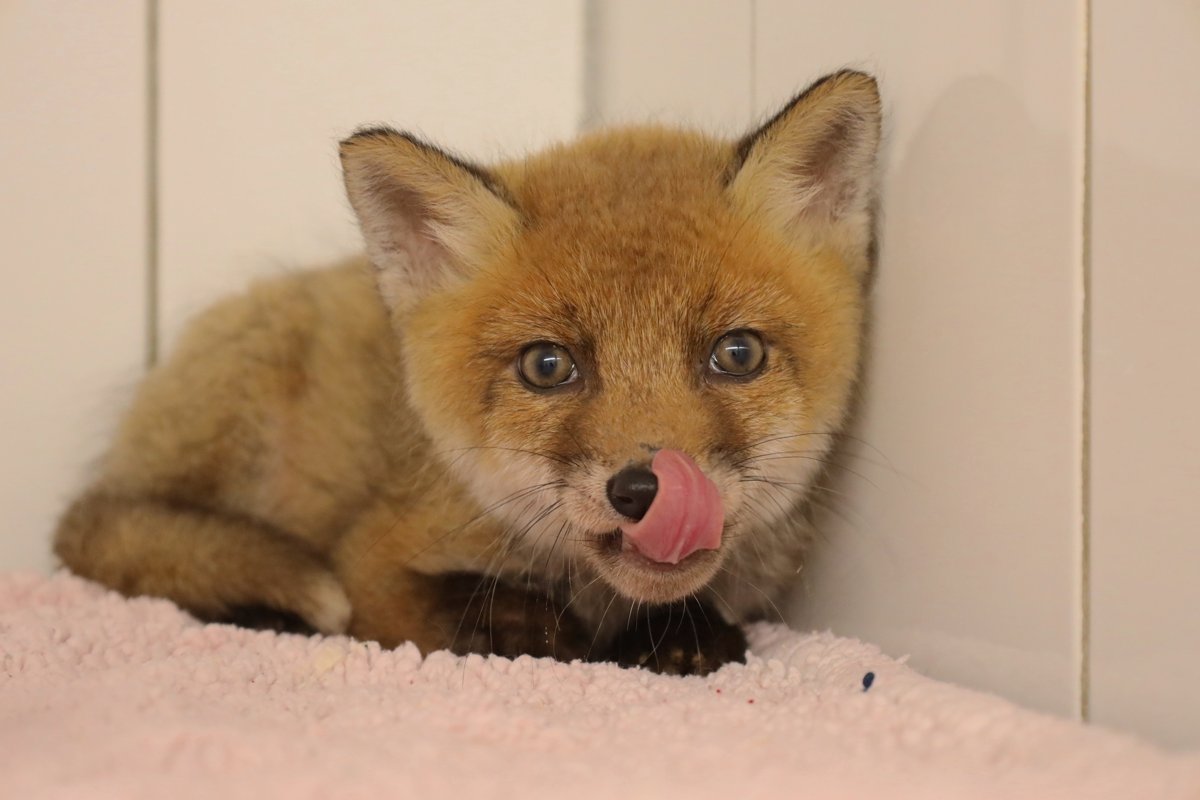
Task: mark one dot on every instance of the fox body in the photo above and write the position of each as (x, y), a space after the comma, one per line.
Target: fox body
(568, 405)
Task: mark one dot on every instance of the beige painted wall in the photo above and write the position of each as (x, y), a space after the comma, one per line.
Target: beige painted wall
(1145, 368)
(73, 180)
(255, 97)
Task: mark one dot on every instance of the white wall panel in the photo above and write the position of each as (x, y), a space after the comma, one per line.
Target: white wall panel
(72, 155)
(255, 96)
(1145, 432)
(958, 543)
(671, 61)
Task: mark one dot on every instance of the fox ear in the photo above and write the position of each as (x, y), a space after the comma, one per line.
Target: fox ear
(428, 218)
(811, 168)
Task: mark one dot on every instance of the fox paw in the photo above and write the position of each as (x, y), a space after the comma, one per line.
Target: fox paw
(489, 616)
(325, 606)
(681, 639)
(320, 607)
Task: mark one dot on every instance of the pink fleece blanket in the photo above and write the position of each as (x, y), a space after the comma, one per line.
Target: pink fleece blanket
(104, 697)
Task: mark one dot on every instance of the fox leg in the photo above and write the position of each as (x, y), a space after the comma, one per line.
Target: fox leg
(217, 566)
(465, 613)
(405, 587)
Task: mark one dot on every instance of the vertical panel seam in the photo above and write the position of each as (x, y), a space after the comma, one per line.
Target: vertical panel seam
(753, 71)
(151, 189)
(590, 85)
(1085, 399)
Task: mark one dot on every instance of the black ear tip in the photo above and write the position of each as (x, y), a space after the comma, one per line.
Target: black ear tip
(372, 133)
(387, 136)
(842, 82)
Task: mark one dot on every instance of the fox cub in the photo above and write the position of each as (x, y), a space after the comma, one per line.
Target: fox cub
(568, 405)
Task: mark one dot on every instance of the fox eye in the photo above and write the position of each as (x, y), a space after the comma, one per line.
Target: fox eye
(545, 365)
(738, 353)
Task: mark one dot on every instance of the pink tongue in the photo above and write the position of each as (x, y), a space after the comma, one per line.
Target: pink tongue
(686, 514)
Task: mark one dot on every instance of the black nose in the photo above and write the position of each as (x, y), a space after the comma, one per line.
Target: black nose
(632, 490)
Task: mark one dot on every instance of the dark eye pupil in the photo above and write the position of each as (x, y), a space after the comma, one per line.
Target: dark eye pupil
(547, 364)
(739, 351)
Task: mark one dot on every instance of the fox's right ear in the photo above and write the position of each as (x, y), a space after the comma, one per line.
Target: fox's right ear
(428, 218)
(810, 170)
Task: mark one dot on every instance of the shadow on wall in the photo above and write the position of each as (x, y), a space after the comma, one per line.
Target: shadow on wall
(1145, 453)
(947, 531)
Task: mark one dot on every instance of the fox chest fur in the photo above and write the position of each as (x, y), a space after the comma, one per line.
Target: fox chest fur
(569, 405)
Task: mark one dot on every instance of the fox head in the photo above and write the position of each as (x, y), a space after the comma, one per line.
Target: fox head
(636, 348)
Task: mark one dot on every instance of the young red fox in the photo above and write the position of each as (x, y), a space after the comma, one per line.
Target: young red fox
(569, 405)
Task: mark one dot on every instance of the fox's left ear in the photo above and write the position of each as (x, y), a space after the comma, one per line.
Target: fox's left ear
(811, 168)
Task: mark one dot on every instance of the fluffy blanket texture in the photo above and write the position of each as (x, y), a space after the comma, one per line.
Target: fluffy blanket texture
(104, 697)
